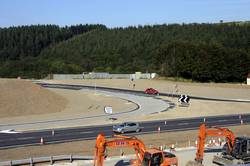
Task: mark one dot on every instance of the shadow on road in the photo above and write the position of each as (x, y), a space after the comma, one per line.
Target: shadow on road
(122, 163)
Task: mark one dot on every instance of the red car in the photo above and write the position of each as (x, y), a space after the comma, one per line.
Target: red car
(151, 91)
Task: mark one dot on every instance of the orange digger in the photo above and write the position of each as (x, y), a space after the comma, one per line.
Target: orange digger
(235, 151)
(144, 156)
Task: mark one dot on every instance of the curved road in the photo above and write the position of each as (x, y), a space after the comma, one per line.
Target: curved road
(146, 105)
(78, 87)
(90, 132)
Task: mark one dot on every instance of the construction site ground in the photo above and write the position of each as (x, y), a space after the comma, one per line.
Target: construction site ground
(197, 108)
(70, 102)
(74, 103)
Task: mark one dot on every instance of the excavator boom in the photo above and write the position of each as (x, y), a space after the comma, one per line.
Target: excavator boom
(145, 157)
(216, 131)
(121, 141)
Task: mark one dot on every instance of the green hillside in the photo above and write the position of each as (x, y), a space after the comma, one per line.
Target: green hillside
(202, 52)
(20, 46)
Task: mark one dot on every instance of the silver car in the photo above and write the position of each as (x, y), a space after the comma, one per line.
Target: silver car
(127, 127)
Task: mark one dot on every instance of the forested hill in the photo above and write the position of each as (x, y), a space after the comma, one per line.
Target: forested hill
(202, 52)
(19, 46)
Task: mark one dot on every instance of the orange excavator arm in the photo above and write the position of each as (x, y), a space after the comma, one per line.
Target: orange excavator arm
(120, 141)
(216, 131)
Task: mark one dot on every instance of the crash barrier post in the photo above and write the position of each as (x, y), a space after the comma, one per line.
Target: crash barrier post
(41, 141)
(241, 122)
(159, 129)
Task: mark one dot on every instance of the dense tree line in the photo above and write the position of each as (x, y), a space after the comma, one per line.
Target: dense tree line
(20, 45)
(202, 52)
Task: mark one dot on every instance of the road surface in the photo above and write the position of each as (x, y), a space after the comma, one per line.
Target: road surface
(90, 132)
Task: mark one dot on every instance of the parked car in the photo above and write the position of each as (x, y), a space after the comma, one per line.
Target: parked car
(127, 127)
(151, 91)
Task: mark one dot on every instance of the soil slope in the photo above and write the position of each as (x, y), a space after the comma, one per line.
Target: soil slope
(21, 97)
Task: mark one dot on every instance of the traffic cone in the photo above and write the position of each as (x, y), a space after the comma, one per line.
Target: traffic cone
(172, 148)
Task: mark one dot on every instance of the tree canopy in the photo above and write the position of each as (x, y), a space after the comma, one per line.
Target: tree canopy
(201, 52)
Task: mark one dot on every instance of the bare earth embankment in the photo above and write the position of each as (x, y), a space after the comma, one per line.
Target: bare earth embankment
(23, 98)
(22, 101)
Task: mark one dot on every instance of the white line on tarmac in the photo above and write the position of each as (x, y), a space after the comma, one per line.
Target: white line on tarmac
(24, 138)
(223, 120)
(85, 132)
(182, 124)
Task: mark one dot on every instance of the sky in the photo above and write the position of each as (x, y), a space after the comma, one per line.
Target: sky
(121, 13)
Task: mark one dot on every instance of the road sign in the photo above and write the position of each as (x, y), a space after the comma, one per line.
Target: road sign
(108, 110)
(184, 99)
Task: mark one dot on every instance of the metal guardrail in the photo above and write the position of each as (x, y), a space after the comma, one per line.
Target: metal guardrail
(78, 87)
(49, 159)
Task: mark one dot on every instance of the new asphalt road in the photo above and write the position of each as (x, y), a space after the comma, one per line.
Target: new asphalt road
(88, 133)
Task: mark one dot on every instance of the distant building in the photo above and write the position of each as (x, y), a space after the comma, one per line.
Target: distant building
(102, 75)
(248, 79)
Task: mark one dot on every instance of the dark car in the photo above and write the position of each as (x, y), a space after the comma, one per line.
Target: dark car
(151, 91)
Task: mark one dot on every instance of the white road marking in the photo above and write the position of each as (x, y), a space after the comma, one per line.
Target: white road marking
(85, 132)
(223, 120)
(24, 138)
(182, 123)
(9, 131)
